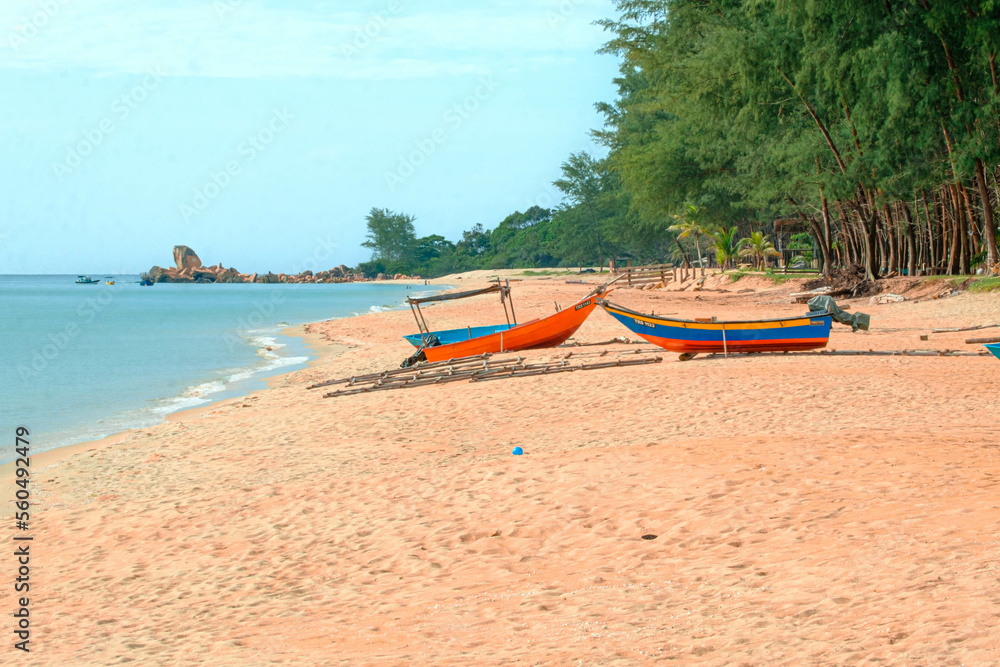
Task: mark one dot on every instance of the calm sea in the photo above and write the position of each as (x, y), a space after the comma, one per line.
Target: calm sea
(80, 362)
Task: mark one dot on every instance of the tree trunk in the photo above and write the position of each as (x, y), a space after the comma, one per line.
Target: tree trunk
(990, 232)
(911, 247)
(827, 243)
(954, 243)
(944, 230)
(931, 261)
(869, 226)
(846, 239)
(963, 230)
(892, 265)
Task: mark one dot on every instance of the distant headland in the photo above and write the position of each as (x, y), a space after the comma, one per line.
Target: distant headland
(189, 269)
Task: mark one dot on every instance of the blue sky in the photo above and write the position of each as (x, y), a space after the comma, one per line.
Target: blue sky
(261, 133)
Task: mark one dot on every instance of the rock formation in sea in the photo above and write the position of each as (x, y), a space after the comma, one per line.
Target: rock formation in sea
(185, 258)
(189, 269)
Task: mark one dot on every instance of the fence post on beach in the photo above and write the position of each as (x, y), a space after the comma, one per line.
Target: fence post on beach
(674, 272)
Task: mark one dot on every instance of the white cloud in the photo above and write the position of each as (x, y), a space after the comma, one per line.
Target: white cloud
(390, 39)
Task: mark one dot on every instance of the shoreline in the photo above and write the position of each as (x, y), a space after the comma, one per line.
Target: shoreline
(320, 351)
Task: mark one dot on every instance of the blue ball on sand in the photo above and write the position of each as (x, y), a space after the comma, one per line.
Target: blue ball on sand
(518, 451)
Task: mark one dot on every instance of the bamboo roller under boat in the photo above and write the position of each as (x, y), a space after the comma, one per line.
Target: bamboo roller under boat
(480, 371)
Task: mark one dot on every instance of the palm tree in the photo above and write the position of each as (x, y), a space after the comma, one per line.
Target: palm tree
(725, 244)
(690, 226)
(759, 247)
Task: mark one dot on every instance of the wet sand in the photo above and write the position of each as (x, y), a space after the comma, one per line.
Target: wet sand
(807, 509)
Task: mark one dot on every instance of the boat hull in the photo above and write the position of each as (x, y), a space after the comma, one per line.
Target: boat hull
(544, 332)
(449, 336)
(687, 337)
(995, 349)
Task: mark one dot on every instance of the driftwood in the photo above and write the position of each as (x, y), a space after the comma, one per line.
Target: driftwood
(622, 353)
(976, 328)
(620, 339)
(452, 363)
(476, 372)
(981, 341)
(857, 353)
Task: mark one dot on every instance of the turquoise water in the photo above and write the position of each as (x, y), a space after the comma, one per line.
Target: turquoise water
(80, 362)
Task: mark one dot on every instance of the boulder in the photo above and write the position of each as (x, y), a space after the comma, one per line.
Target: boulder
(185, 258)
(380, 276)
(174, 276)
(229, 276)
(203, 275)
(252, 278)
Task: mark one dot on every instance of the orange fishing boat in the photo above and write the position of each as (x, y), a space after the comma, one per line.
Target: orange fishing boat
(547, 331)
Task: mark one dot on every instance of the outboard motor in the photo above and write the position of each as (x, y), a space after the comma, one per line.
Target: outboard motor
(825, 304)
(419, 356)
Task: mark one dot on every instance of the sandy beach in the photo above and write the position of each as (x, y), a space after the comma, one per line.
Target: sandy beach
(807, 509)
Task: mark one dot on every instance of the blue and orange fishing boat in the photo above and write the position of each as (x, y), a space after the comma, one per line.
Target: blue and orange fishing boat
(995, 349)
(692, 337)
(543, 332)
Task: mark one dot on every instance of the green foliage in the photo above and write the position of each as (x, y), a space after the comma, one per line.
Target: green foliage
(591, 225)
(759, 248)
(726, 246)
(777, 279)
(390, 236)
(985, 285)
(689, 225)
(755, 110)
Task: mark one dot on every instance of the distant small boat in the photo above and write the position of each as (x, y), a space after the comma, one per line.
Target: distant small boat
(995, 349)
(109, 281)
(692, 337)
(86, 280)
